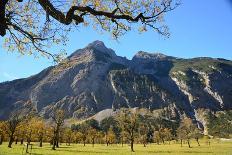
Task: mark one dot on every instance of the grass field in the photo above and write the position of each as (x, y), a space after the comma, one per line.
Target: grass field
(216, 148)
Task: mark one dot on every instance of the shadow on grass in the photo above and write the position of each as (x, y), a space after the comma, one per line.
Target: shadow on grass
(65, 147)
(78, 151)
(50, 148)
(117, 149)
(195, 152)
(179, 152)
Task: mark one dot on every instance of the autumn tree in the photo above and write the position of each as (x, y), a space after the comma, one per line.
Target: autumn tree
(186, 130)
(58, 119)
(197, 134)
(11, 125)
(145, 127)
(110, 126)
(40, 130)
(143, 131)
(167, 134)
(30, 127)
(27, 129)
(68, 136)
(84, 132)
(17, 135)
(123, 135)
(161, 135)
(77, 136)
(129, 123)
(157, 137)
(21, 132)
(49, 134)
(92, 133)
(2, 132)
(100, 137)
(163, 124)
(32, 26)
(181, 136)
(110, 136)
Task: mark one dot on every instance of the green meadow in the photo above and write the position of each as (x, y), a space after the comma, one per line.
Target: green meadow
(215, 148)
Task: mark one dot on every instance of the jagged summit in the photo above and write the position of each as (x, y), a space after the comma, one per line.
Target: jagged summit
(97, 44)
(153, 56)
(94, 47)
(99, 47)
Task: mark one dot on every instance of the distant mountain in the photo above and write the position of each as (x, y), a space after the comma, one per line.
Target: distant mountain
(95, 79)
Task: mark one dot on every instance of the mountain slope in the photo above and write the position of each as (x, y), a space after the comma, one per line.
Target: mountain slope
(95, 78)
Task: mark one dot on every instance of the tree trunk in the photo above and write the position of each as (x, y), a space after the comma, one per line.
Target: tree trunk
(181, 142)
(144, 142)
(76, 141)
(84, 142)
(56, 138)
(41, 142)
(21, 141)
(132, 145)
(16, 141)
(106, 139)
(57, 143)
(1, 139)
(189, 144)
(162, 140)
(29, 141)
(3, 26)
(29, 137)
(198, 142)
(27, 148)
(54, 144)
(93, 142)
(11, 141)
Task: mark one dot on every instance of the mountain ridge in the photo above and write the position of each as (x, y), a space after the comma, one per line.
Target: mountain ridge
(95, 78)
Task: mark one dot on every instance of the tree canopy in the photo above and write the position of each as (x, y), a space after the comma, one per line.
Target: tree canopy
(32, 26)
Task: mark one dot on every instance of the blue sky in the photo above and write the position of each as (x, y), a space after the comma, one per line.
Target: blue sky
(198, 28)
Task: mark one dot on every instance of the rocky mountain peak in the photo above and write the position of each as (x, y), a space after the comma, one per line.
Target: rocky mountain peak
(97, 47)
(153, 56)
(97, 44)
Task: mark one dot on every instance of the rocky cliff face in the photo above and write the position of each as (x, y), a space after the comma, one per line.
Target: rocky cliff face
(95, 78)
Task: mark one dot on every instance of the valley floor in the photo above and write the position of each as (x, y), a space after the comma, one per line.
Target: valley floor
(216, 148)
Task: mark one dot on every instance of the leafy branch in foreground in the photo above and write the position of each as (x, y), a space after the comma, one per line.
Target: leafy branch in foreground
(32, 26)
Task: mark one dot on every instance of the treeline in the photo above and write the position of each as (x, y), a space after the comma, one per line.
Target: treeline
(31, 128)
(128, 127)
